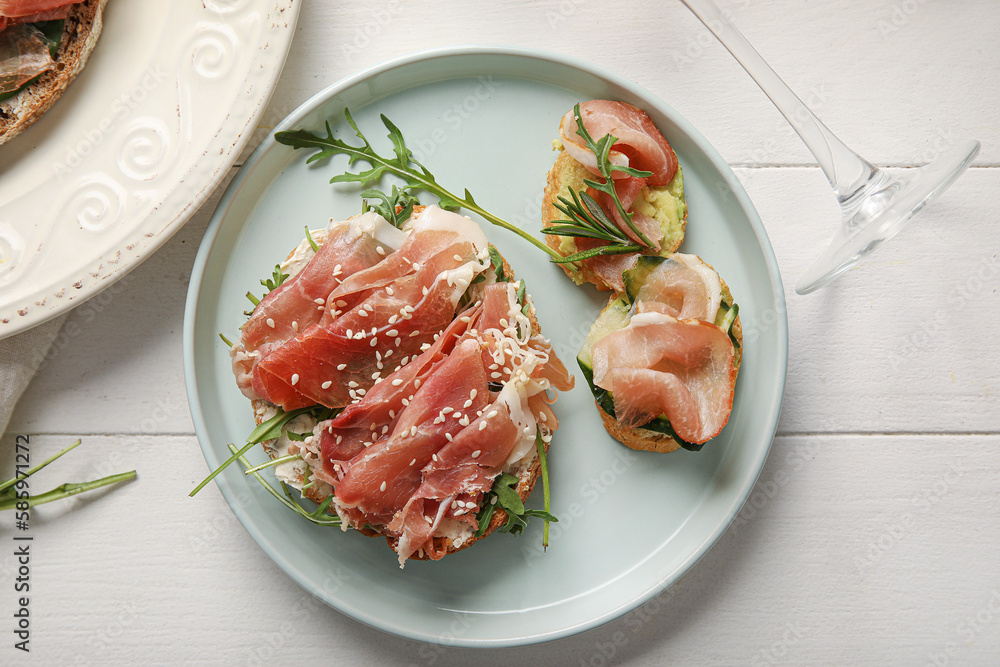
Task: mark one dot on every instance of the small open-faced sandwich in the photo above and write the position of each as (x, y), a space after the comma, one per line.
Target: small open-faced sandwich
(643, 210)
(417, 381)
(44, 44)
(663, 356)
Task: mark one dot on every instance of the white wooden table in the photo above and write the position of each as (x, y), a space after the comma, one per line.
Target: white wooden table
(873, 536)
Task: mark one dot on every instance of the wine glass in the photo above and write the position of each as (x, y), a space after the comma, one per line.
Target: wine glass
(875, 205)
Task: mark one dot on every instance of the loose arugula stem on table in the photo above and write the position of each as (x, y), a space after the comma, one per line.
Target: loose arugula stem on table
(8, 499)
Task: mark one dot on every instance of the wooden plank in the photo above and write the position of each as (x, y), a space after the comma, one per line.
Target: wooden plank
(852, 550)
(896, 80)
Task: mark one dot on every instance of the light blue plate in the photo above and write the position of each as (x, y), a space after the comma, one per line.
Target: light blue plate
(631, 523)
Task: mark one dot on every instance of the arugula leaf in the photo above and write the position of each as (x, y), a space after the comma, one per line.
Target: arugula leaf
(396, 207)
(402, 165)
(312, 244)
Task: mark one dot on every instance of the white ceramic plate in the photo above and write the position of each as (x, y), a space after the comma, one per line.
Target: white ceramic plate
(141, 138)
(631, 523)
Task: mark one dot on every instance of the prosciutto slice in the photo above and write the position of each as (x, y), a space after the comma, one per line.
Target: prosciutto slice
(639, 144)
(422, 448)
(659, 364)
(358, 309)
(671, 359)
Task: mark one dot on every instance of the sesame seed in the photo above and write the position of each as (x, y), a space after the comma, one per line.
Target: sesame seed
(491, 414)
(319, 307)
(362, 312)
(398, 341)
(270, 322)
(405, 402)
(369, 308)
(339, 437)
(392, 414)
(495, 375)
(434, 456)
(326, 385)
(464, 421)
(454, 504)
(379, 366)
(376, 375)
(319, 301)
(353, 394)
(476, 454)
(341, 303)
(446, 410)
(350, 333)
(389, 290)
(416, 266)
(295, 378)
(527, 430)
(458, 258)
(543, 417)
(337, 270)
(341, 367)
(424, 290)
(397, 382)
(457, 415)
(482, 425)
(425, 347)
(362, 392)
(465, 318)
(392, 333)
(374, 342)
(416, 383)
(295, 325)
(467, 403)
(360, 335)
(414, 333)
(404, 361)
(413, 462)
(448, 435)
(382, 488)
(472, 394)
(385, 429)
(393, 318)
(388, 353)
(352, 384)
(380, 250)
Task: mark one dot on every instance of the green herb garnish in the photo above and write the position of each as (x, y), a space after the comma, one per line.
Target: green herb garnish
(8, 495)
(504, 496)
(396, 207)
(586, 217)
(312, 244)
(402, 164)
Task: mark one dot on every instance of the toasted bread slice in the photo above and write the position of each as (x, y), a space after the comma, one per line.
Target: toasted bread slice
(664, 203)
(80, 32)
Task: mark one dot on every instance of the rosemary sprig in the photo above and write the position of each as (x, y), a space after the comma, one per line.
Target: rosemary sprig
(402, 164)
(585, 217)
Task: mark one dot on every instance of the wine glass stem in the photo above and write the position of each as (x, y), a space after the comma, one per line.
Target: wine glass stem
(846, 170)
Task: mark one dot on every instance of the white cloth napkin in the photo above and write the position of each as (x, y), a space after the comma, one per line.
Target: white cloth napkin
(20, 357)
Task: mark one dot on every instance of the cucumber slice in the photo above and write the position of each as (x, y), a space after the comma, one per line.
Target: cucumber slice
(636, 276)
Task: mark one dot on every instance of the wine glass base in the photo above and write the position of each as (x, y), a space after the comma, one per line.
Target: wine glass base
(883, 212)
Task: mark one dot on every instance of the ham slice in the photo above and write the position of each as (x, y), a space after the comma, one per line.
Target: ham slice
(659, 364)
(422, 448)
(371, 297)
(683, 286)
(639, 144)
(15, 8)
